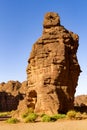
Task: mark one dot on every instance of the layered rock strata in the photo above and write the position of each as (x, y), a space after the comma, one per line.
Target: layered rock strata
(53, 68)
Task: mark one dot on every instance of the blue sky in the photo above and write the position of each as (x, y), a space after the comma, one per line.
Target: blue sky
(21, 25)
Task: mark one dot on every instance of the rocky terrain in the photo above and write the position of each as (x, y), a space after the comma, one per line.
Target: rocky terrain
(52, 73)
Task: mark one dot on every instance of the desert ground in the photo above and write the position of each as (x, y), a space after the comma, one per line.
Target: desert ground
(59, 125)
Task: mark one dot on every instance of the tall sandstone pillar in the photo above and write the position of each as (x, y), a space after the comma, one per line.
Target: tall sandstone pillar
(53, 68)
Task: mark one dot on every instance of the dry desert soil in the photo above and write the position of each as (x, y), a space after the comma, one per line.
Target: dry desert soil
(59, 125)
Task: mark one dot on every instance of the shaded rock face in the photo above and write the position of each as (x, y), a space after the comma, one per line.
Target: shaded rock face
(80, 103)
(53, 68)
(11, 93)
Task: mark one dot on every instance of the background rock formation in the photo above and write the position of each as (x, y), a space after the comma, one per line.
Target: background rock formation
(80, 103)
(81, 100)
(53, 68)
(11, 93)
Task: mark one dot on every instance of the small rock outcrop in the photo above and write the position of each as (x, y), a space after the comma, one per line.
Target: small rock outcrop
(11, 93)
(53, 68)
(80, 103)
(80, 100)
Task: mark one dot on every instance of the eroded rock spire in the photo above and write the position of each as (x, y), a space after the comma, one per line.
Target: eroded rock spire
(53, 68)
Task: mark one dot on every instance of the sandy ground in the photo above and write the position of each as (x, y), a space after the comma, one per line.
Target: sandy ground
(59, 125)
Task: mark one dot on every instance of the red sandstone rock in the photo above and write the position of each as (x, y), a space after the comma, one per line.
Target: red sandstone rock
(10, 95)
(52, 73)
(53, 68)
(80, 103)
(80, 100)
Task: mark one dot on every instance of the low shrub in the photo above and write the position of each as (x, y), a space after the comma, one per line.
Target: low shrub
(2, 114)
(31, 117)
(46, 118)
(71, 114)
(42, 115)
(25, 115)
(28, 111)
(80, 116)
(12, 120)
(58, 116)
(76, 115)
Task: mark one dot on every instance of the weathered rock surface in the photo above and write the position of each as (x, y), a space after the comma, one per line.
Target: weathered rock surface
(80, 100)
(80, 103)
(53, 68)
(11, 93)
(52, 73)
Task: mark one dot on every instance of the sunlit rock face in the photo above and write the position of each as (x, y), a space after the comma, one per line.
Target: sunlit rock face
(53, 68)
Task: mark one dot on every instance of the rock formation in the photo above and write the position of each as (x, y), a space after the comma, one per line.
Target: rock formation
(52, 73)
(11, 93)
(53, 68)
(80, 103)
(80, 100)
